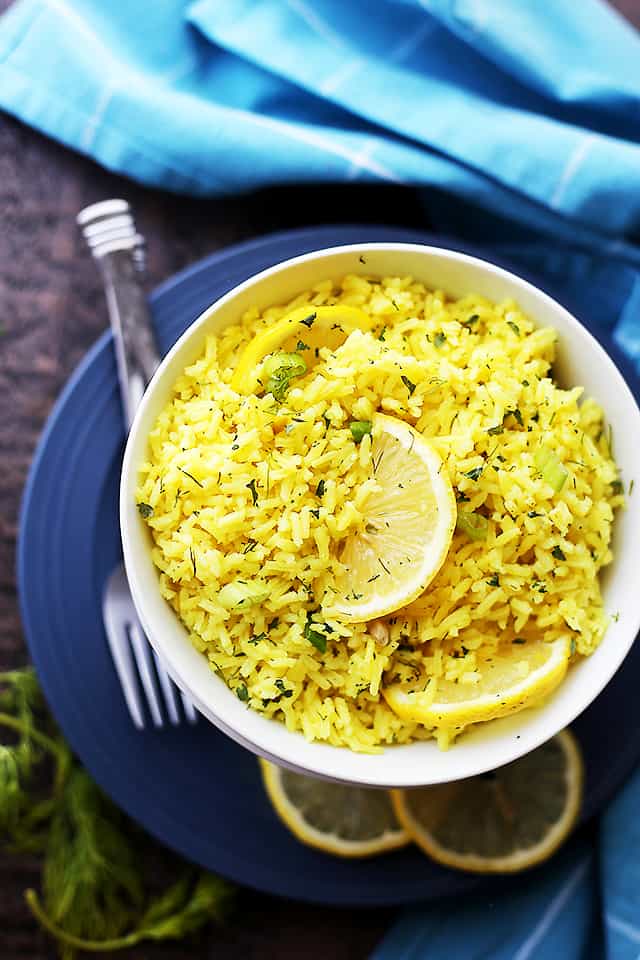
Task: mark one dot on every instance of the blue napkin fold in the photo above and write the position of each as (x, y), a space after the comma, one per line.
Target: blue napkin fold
(520, 120)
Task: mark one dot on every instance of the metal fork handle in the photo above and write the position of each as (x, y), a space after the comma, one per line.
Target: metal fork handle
(110, 232)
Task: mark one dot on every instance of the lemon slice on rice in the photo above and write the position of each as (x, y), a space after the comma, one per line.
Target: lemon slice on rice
(303, 329)
(407, 527)
(337, 818)
(516, 675)
(503, 821)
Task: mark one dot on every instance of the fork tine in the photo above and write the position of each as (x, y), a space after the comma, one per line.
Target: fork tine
(122, 661)
(168, 691)
(142, 654)
(190, 711)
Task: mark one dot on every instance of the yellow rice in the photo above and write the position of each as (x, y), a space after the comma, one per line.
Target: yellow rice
(475, 365)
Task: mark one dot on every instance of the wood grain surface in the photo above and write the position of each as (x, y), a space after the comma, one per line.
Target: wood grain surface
(52, 310)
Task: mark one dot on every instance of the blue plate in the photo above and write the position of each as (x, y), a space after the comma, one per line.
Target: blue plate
(193, 788)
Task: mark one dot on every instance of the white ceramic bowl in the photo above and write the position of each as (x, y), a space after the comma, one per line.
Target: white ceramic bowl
(580, 361)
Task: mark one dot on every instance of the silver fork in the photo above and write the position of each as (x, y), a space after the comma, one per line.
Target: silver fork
(118, 248)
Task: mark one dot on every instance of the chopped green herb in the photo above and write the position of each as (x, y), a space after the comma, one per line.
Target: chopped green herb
(518, 640)
(254, 493)
(469, 322)
(617, 487)
(494, 580)
(516, 414)
(631, 483)
(315, 638)
(525, 383)
(242, 693)
(494, 431)
(615, 617)
(534, 513)
(257, 639)
(550, 468)
(145, 510)
(473, 524)
(283, 690)
(408, 384)
(251, 545)
(193, 561)
(316, 513)
(382, 333)
(240, 594)
(474, 474)
(439, 339)
(301, 345)
(514, 327)
(308, 321)
(572, 648)
(359, 429)
(273, 623)
(395, 305)
(280, 369)
(558, 553)
(462, 497)
(191, 476)
(320, 488)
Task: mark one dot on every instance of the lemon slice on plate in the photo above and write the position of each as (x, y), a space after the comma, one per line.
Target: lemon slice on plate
(334, 817)
(303, 329)
(503, 821)
(407, 527)
(511, 678)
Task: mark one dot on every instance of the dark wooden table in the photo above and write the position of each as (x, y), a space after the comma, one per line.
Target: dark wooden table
(52, 310)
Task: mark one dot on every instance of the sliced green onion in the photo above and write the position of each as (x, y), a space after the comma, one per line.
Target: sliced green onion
(279, 370)
(548, 465)
(242, 593)
(359, 429)
(473, 524)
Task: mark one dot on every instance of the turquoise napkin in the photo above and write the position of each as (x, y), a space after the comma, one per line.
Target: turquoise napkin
(521, 122)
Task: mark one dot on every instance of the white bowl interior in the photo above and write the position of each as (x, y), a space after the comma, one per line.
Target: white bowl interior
(580, 361)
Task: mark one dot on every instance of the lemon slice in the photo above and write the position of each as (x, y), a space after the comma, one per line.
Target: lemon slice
(310, 326)
(501, 822)
(511, 678)
(334, 817)
(408, 525)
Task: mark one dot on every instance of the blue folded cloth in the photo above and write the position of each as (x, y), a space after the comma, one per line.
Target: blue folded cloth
(520, 120)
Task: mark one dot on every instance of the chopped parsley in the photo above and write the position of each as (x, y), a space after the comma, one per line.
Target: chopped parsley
(145, 510)
(534, 513)
(242, 693)
(320, 488)
(494, 581)
(193, 561)
(283, 690)
(273, 624)
(301, 345)
(516, 414)
(315, 638)
(316, 513)
(617, 487)
(494, 431)
(255, 640)
(408, 384)
(439, 339)
(359, 429)
(518, 640)
(558, 553)
(514, 327)
(474, 474)
(250, 545)
(469, 322)
(395, 305)
(382, 333)
(254, 493)
(308, 321)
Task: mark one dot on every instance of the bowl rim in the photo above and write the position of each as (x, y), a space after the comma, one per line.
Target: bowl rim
(261, 745)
